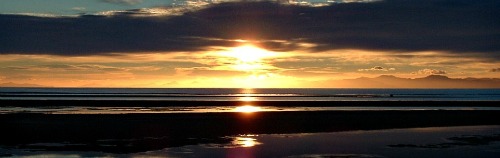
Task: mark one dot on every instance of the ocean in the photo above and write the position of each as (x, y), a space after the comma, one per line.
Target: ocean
(202, 100)
(259, 94)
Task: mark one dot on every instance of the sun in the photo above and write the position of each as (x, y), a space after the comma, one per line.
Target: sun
(248, 53)
(248, 58)
(254, 67)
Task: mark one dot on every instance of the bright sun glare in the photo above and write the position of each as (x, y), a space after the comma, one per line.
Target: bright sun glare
(255, 63)
(245, 142)
(248, 57)
(247, 109)
(249, 53)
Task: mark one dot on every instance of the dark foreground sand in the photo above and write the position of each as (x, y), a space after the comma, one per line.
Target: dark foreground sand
(129, 133)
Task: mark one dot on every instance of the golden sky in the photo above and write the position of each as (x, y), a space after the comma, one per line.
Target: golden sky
(245, 65)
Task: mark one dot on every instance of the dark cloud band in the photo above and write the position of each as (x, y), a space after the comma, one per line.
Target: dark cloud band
(456, 26)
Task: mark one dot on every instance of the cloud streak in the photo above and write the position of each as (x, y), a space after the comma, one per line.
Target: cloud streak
(378, 68)
(465, 28)
(66, 67)
(430, 72)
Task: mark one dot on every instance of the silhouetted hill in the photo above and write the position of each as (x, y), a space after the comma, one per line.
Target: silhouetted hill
(432, 81)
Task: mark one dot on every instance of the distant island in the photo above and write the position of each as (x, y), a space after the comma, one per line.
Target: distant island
(431, 81)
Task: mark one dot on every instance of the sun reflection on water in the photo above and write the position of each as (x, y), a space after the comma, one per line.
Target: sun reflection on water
(245, 141)
(247, 95)
(247, 91)
(247, 99)
(247, 109)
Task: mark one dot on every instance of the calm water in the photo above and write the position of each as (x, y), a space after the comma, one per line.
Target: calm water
(429, 142)
(228, 94)
(411, 142)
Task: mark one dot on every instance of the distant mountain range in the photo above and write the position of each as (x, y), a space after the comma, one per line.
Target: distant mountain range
(432, 81)
(12, 84)
(384, 81)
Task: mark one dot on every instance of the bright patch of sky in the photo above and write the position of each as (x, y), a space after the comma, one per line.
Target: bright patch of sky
(78, 7)
(75, 7)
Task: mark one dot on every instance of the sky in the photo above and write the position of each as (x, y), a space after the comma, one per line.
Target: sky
(261, 44)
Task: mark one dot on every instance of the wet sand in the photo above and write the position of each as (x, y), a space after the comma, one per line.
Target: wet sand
(130, 133)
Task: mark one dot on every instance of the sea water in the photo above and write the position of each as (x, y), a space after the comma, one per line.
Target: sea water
(261, 94)
(247, 96)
